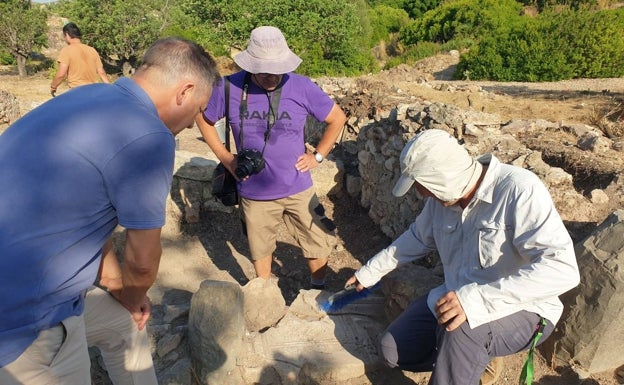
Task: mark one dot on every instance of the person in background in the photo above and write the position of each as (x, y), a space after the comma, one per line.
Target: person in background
(76, 173)
(506, 257)
(78, 62)
(272, 164)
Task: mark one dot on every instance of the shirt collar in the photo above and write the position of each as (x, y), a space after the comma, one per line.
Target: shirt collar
(485, 192)
(129, 86)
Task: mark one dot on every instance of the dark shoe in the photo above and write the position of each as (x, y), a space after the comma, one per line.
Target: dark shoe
(619, 374)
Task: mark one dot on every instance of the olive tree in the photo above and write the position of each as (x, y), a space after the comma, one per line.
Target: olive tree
(22, 30)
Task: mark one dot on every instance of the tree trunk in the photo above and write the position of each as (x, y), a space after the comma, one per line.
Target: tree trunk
(21, 65)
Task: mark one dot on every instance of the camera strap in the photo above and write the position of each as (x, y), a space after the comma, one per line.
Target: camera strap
(273, 99)
(227, 112)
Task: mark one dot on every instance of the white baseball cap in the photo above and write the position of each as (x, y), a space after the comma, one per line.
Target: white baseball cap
(439, 163)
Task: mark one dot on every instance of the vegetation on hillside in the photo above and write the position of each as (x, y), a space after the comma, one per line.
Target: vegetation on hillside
(331, 36)
(550, 47)
(505, 40)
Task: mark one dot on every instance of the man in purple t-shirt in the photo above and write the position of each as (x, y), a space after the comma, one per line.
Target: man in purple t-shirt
(272, 165)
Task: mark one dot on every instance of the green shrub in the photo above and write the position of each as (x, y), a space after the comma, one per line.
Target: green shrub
(462, 19)
(416, 8)
(6, 58)
(573, 4)
(384, 21)
(458, 44)
(570, 44)
(592, 41)
(331, 36)
(414, 53)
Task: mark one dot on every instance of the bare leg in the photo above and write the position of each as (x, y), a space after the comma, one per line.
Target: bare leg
(263, 267)
(318, 268)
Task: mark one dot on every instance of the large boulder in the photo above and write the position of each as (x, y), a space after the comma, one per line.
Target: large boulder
(591, 334)
(216, 328)
(264, 304)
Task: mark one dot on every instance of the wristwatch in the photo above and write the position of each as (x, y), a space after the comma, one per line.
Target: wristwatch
(318, 156)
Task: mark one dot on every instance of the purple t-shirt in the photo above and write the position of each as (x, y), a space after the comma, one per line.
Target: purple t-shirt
(300, 97)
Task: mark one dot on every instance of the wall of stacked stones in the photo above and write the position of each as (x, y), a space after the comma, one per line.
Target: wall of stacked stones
(380, 141)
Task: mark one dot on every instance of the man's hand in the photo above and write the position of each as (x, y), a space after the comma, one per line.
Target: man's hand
(353, 281)
(306, 162)
(111, 284)
(449, 311)
(141, 313)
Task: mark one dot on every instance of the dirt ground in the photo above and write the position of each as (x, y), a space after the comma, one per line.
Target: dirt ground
(581, 101)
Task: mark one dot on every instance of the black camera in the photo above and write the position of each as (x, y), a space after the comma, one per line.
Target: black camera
(249, 162)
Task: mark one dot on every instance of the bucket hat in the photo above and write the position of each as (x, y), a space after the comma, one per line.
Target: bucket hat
(267, 52)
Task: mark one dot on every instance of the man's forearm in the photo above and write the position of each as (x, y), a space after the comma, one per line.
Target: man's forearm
(103, 76)
(335, 123)
(140, 265)
(110, 271)
(211, 137)
(56, 82)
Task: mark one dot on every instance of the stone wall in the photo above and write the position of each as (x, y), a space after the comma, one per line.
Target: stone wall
(9, 108)
(365, 163)
(382, 138)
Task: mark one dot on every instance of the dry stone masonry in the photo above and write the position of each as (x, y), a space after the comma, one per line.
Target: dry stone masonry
(9, 108)
(381, 140)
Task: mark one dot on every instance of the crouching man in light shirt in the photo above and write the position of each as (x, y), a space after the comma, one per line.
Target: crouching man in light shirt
(506, 256)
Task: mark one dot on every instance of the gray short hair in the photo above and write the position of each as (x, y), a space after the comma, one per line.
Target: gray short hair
(177, 58)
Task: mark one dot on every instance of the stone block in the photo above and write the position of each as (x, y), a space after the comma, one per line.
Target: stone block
(264, 304)
(591, 332)
(9, 107)
(405, 284)
(216, 331)
(308, 346)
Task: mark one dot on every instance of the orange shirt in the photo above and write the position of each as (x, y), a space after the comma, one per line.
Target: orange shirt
(83, 62)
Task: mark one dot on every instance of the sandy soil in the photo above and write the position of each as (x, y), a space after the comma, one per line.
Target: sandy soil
(570, 101)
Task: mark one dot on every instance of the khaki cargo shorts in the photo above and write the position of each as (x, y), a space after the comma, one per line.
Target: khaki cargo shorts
(305, 220)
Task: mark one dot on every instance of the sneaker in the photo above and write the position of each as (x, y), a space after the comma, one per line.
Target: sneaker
(492, 371)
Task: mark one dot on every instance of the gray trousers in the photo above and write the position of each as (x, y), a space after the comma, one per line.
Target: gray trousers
(415, 342)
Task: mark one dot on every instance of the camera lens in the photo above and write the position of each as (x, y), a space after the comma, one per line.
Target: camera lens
(243, 169)
(249, 162)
